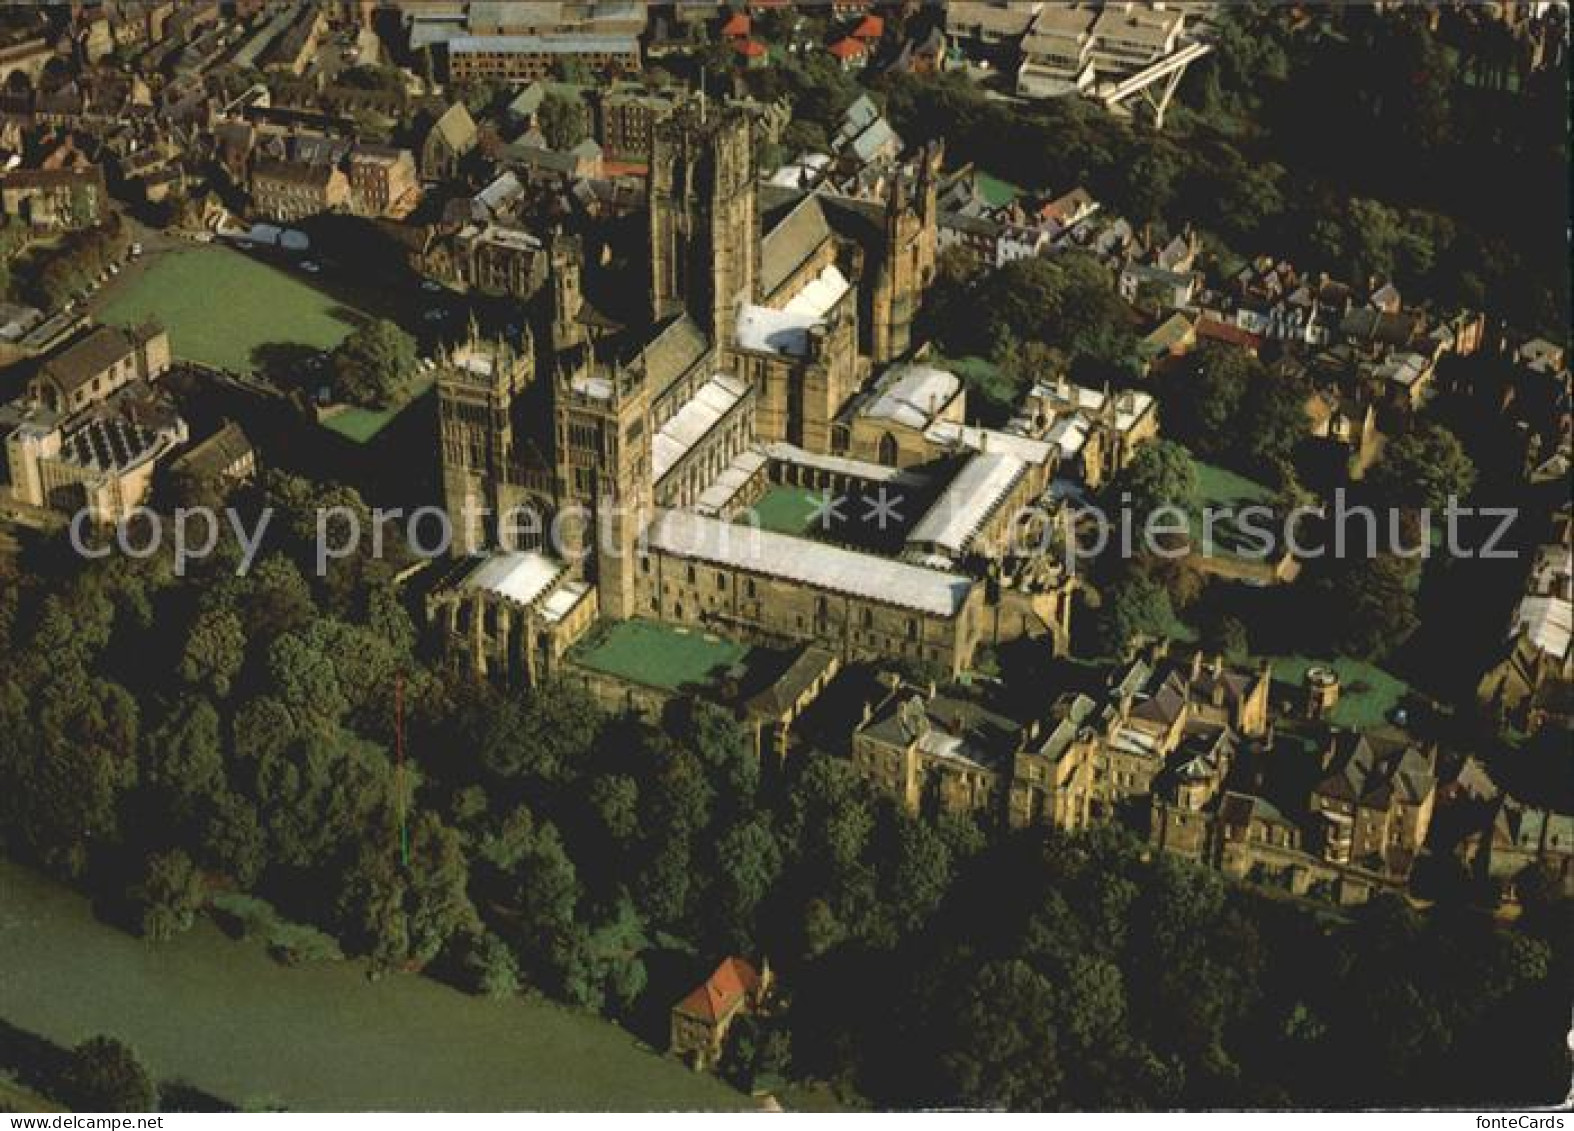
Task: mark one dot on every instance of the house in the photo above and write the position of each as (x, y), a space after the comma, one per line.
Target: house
(448, 142)
(1096, 433)
(55, 199)
(288, 190)
(228, 454)
(1345, 423)
(1374, 802)
(1172, 338)
(700, 1022)
(937, 754)
(849, 53)
(383, 181)
(99, 364)
(1523, 838)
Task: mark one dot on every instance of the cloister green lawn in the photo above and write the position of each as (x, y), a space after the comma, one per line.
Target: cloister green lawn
(658, 655)
(786, 509)
(220, 305)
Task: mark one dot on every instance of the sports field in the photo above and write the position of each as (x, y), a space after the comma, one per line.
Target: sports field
(658, 655)
(220, 305)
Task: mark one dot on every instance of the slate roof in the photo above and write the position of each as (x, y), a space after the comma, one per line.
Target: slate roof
(1371, 770)
(798, 235)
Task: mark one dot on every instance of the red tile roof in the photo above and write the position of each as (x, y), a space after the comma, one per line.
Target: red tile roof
(720, 994)
(751, 48)
(872, 27)
(846, 48)
(737, 27)
(1230, 335)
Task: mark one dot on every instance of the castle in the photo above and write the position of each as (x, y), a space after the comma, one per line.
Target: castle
(603, 472)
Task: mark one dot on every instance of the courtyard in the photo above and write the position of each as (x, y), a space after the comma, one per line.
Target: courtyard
(658, 655)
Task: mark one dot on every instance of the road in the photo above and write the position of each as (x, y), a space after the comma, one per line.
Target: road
(222, 1017)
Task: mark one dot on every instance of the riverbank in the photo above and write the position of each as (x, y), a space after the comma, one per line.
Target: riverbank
(221, 1017)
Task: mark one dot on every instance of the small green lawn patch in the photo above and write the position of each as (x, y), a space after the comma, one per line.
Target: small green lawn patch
(658, 655)
(363, 424)
(219, 306)
(1367, 693)
(997, 192)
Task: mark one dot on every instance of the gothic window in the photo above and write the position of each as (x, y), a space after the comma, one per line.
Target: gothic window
(888, 449)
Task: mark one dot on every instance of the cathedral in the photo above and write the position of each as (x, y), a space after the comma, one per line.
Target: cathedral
(594, 471)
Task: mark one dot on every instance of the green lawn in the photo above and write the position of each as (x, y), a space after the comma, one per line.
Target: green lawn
(997, 192)
(1367, 693)
(658, 655)
(1219, 486)
(220, 305)
(363, 424)
(1223, 492)
(786, 510)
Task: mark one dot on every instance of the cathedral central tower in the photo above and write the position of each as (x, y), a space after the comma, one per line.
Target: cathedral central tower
(704, 217)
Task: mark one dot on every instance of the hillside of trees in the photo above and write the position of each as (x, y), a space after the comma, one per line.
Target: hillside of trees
(607, 863)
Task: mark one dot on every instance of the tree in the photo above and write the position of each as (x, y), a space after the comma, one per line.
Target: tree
(1201, 402)
(1001, 1047)
(168, 896)
(484, 965)
(1135, 608)
(1160, 474)
(1271, 424)
(562, 119)
(1226, 636)
(1425, 467)
(371, 365)
(104, 1074)
(1369, 605)
(1068, 302)
(747, 860)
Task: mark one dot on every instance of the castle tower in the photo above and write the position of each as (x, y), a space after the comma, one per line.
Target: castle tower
(911, 240)
(602, 449)
(704, 217)
(477, 385)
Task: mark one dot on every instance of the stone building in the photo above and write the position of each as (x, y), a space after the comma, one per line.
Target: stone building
(55, 199)
(628, 451)
(293, 190)
(512, 616)
(448, 143)
(1374, 802)
(100, 363)
(936, 755)
(700, 1021)
(91, 428)
(382, 180)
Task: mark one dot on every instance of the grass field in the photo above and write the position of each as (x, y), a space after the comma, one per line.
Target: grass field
(1223, 491)
(658, 655)
(1367, 693)
(787, 510)
(363, 424)
(220, 305)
